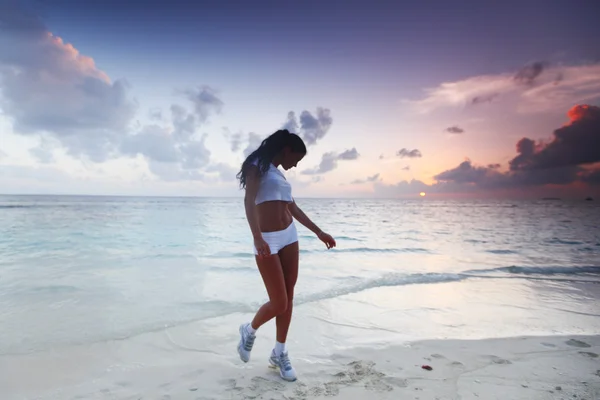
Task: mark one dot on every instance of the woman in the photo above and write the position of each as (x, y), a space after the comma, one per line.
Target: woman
(271, 210)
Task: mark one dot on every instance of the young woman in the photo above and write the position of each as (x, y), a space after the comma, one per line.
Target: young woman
(271, 210)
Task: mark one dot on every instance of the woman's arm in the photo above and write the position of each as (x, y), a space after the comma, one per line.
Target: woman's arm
(299, 215)
(252, 182)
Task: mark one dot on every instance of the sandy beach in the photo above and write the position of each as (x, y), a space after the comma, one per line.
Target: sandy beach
(190, 363)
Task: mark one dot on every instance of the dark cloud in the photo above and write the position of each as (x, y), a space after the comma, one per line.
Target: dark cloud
(311, 128)
(481, 177)
(570, 157)
(455, 129)
(528, 74)
(591, 177)
(488, 98)
(351, 154)
(405, 153)
(467, 173)
(329, 161)
(205, 102)
(381, 157)
(577, 143)
(369, 179)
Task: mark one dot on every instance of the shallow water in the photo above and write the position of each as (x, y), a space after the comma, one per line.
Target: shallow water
(79, 270)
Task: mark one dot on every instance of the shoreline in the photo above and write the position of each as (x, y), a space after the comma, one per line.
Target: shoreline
(156, 366)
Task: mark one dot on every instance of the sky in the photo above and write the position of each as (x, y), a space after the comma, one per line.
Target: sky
(454, 99)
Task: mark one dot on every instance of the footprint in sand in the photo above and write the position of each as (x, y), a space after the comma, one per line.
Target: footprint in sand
(577, 343)
(498, 360)
(361, 372)
(356, 373)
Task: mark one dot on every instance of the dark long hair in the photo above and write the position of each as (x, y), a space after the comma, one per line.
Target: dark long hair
(268, 149)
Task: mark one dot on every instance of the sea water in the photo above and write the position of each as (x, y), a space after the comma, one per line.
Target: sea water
(80, 270)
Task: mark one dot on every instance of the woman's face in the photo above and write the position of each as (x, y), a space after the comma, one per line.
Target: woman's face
(290, 159)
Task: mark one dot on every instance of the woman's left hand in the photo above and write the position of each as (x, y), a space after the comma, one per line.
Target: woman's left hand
(327, 239)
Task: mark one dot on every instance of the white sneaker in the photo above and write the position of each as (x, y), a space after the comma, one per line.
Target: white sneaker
(282, 362)
(246, 343)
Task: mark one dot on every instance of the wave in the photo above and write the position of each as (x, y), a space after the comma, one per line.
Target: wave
(501, 251)
(384, 250)
(226, 254)
(561, 241)
(539, 270)
(392, 279)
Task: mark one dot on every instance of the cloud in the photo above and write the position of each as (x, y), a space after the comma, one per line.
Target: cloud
(559, 161)
(184, 124)
(3, 154)
(381, 157)
(455, 129)
(405, 153)
(577, 143)
(225, 172)
(205, 102)
(571, 158)
(310, 128)
(155, 114)
(46, 85)
(44, 152)
(369, 179)
(329, 161)
(50, 90)
(407, 168)
(234, 139)
(528, 74)
(291, 123)
(532, 89)
(351, 154)
(254, 141)
(591, 177)
(488, 98)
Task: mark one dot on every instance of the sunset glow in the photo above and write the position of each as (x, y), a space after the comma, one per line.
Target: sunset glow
(82, 115)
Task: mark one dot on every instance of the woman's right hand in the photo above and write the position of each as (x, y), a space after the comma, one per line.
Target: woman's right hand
(262, 247)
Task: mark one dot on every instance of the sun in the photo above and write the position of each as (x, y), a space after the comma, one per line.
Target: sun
(422, 194)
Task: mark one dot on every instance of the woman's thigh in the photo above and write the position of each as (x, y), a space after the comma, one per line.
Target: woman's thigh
(289, 258)
(271, 271)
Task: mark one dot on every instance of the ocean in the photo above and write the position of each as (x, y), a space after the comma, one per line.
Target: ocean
(78, 271)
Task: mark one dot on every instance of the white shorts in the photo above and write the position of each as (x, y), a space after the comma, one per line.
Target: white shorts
(279, 239)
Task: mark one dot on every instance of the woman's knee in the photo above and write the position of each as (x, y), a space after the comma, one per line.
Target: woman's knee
(280, 305)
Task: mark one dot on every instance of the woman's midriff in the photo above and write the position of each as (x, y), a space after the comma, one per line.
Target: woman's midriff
(273, 216)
